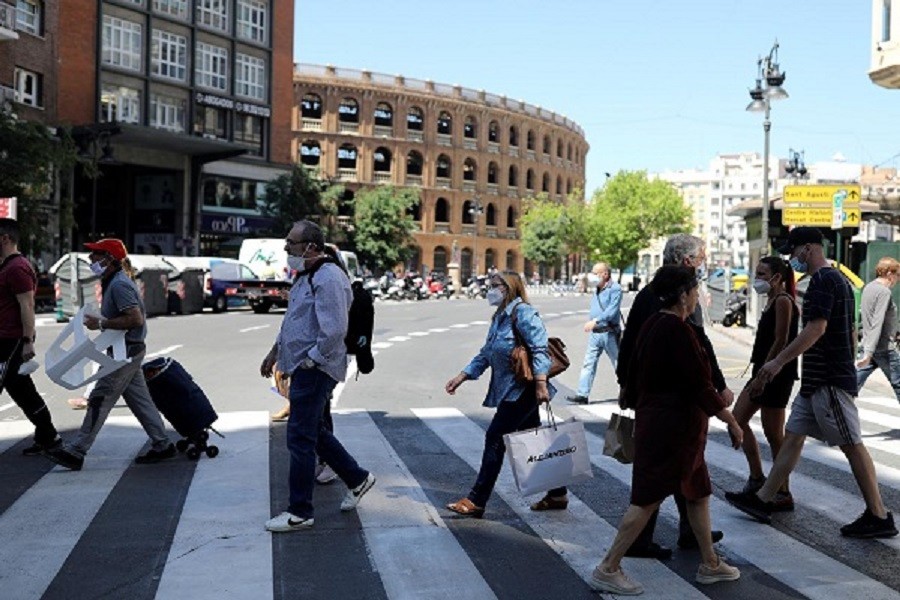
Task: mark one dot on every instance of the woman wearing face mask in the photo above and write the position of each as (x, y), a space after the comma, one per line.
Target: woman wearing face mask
(516, 402)
(777, 328)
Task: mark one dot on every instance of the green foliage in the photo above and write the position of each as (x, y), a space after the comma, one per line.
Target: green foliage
(300, 195)
(544, 225)
(631, 211)
(30, 156)
(383, 225)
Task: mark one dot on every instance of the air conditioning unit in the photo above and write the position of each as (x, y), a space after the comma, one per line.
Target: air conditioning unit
(8, 94)
(7, 16)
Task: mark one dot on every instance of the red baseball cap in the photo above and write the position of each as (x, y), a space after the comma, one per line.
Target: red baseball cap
(112, 246)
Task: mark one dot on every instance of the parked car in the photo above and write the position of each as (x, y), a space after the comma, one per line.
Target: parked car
(232, 282)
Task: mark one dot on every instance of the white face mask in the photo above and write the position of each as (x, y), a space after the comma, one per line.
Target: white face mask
(495, 296)
(593, 279)
(97, 268)
(297, 263)
(761, 286)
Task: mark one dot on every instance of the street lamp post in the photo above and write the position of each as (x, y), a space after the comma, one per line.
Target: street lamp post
(475, 210)
(761, 96)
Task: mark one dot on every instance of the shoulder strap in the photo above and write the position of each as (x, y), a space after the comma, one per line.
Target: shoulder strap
(514, 319)
(8, 259)
(313, 270)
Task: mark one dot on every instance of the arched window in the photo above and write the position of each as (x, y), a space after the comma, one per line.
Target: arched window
(547, 144)
(559, 148)
(470, 170)
(384, 115)
(568, 186)
(559, 184)
(414, 163)
(311, 106)
(346, 204)
(381, 160)
(443, 166)
(545, 183)
(310, 153)
(492, 173)
(513, 136)
(510, 260)
(494, 132)
(468, 212)
(415, 211)
(440, 259)
(347, 157)
(466, 266)
(510, 217)
(444, 123)
(348, 111)
(441, 211)
(414, 260)
(529, 140)
(489, 258)
(569, 151)
(491, 215)
(529, 179)
(415, 119)
(470, 128)
(513, 176)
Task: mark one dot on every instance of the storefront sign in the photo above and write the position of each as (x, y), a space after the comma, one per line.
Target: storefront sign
(231, 223)
(252, 109)
(211, 100)
(8, 207)
(228, 103)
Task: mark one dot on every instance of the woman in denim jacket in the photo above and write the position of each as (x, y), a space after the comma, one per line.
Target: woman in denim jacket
(516, 402)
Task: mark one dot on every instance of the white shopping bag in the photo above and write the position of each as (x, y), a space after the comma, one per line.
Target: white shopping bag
(548, 457)
(71, 366)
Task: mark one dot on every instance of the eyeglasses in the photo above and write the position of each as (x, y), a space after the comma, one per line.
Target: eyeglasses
(291, 242)
(497, 285)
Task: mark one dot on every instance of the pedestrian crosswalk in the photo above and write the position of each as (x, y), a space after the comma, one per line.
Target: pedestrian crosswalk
(187, 529)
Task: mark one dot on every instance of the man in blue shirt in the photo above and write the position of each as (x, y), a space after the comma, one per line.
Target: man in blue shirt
(605, 328)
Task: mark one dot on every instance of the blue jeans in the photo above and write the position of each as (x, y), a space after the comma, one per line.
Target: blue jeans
(509, 418)
(597, 343)
(308, 437)
(889, 362)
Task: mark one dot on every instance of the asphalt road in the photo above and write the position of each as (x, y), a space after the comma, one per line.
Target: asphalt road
(186, 529)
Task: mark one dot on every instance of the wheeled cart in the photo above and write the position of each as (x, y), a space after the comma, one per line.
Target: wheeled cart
(183, 403)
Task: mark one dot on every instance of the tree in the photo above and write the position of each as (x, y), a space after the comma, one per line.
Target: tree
(629, 212)
(30, 157)
(383, 225)
(300, 195)
(544, 225)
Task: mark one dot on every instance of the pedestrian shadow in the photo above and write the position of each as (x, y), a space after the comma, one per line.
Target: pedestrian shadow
(893, 434)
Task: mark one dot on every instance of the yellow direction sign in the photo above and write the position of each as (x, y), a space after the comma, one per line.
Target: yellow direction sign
(815, 196)
(819, 217)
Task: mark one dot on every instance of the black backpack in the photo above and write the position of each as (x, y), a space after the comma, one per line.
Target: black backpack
(360, 322)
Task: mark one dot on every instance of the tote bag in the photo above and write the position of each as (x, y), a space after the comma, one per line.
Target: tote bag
(548, 457)
(619, 438)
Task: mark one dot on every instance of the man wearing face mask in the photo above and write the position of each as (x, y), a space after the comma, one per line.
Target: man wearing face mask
(310, 346)
(825, 408)
(604, 327)
(122, 309)
(879, 323)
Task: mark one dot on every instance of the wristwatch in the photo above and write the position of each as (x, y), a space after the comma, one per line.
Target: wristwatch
(308, 363)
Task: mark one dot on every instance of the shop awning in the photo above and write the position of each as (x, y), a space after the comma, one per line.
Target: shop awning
(180, 143)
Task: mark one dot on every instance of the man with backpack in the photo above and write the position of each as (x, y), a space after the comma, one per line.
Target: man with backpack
(604, 326)
(311, 347)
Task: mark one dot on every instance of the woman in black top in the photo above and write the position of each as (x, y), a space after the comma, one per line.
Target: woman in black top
(777, 328)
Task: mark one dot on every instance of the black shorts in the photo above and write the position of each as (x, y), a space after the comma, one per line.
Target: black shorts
(777, 393)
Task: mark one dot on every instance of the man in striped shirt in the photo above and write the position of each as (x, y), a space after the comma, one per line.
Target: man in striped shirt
(825, 408)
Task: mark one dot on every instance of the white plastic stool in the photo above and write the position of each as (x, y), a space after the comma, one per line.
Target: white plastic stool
(69, 366)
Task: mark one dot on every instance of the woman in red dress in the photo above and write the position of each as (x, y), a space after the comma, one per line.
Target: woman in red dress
(671, 388)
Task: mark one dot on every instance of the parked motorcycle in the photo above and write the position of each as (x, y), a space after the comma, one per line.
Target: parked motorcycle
(736, 309)
(477, 288)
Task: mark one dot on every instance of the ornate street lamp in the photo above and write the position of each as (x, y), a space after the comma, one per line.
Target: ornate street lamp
(476, 210)
(796, 165)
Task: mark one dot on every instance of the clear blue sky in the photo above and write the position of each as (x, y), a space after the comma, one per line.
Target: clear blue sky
(655, 84)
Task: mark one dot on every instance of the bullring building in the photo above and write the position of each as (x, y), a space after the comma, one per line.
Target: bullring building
(473, 155)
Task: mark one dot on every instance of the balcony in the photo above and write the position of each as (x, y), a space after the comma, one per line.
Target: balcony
(442, 227)
(530, 155)
(384, 131)
(442, 182)
(493, 148)
(559, 162)
(414, 180)
(346, 175)
(382, 177)
(444, 140)
(512, 193)
(512, 234)
(468, 186)
(348, 128)
(468, 229)
(470, 144)
(8, 22)
(545, 159)
(885, 65)
(514, 151)
(415, 136)
(490, 231)
(311, 124)
(493, 188)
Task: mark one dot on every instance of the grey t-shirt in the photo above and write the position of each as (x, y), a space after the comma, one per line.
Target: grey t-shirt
(120, 294)
(879, 317)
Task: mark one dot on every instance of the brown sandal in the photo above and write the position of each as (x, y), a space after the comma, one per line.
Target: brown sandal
(550, 503)
(465, 508)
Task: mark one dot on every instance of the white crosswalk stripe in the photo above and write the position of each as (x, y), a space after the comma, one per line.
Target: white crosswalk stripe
(219, 549)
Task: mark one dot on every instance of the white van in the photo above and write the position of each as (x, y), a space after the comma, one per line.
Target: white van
(267, 257)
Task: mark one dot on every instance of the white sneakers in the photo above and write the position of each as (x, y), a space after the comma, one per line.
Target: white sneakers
(325, 476)
(721, 572)
(355, 495)
(617, 583)
(288, 522)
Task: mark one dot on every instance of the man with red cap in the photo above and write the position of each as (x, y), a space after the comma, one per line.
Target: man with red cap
(122, 309)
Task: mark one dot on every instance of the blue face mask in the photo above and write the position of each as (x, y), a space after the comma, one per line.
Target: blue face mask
(798, 265)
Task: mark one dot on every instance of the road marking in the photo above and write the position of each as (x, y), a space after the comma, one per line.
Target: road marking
(480, 323)
(405, 535)
(339, 388)
(221, 525)
(418, 333)
(439, 330)
(552, 315)
(460, 326)
(246, 329)
(399, 338)
(7, 406)
(63, 503)
(12, 432)
(568, 312)
(166, 350)
(382, 345)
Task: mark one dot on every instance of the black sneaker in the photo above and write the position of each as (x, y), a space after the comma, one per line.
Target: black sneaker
(651, 550)
(783, 502)
(578, 399)
(38, 448)
(751, 504)
(64, 458)
(155, 456)
(688, 541)
(870, 526)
